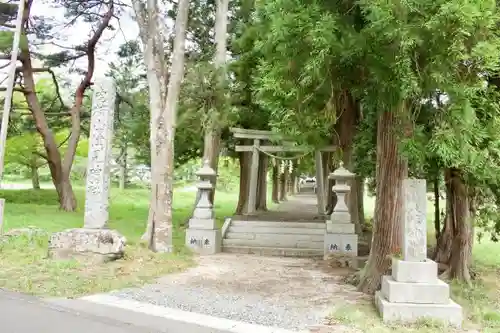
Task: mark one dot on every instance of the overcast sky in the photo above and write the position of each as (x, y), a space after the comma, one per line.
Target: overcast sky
(77, 34)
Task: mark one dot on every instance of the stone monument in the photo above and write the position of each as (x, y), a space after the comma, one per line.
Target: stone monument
(202, 235)
(340, 236)
(414, 290)
(94, 241)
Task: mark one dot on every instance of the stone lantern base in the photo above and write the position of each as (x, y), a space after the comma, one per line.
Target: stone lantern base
(341, 244)
(203, 241)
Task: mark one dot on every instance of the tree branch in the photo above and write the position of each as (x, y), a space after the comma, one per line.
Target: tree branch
(54, 80)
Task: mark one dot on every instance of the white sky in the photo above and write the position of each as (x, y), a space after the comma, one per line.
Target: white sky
(125, 29)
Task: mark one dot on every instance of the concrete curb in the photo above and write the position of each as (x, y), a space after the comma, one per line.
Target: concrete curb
(183, 320)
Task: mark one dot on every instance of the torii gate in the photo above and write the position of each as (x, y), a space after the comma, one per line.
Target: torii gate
(257, 136)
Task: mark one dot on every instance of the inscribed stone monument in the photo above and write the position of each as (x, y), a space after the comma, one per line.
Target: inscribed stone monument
(99, 158)
(94, 241)
(414, 291)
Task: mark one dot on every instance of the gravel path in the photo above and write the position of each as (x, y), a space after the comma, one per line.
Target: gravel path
(281, 292)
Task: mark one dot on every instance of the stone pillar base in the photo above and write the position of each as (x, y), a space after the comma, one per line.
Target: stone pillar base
(414, 292)
(94, 245)
(204, 241)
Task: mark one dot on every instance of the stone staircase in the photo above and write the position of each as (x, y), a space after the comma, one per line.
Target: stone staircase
(268, 238)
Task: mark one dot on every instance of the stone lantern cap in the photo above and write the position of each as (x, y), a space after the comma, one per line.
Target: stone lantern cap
(341, 173)
(206, 170)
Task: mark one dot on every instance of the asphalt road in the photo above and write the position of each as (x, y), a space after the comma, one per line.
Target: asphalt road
(26, 314)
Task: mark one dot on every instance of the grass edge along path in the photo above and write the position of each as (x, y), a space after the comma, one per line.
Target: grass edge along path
(24, 265)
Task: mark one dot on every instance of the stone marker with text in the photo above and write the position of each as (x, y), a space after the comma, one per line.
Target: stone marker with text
(414, 291)
(94, 241)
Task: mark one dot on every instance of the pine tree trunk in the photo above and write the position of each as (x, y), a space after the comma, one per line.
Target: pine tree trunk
(35, 178)
(245, 160)
(276, 180)
(67, 200)
(261, 203)
(390, 172)
(461, 248)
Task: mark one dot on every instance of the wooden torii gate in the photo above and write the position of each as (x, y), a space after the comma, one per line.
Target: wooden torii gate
(257, 136)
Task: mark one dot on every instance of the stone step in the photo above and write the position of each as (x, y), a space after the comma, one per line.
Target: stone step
(278, 243)
(272, 237)
(276, 230)
(273, 251)
(271, 224)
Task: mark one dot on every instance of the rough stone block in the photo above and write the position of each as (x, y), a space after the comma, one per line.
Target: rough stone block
(450, 313)
(341, 243)
(208, 224)
(339, 228)
(416, 272)
(204, 241)
(95, 245)
(422, 293)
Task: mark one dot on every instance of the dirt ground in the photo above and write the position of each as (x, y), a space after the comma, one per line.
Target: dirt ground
(306, 282)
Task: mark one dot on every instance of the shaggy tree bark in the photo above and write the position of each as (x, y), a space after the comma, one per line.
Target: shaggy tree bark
(390, 171)
(445, 239)
(276, 181)
(163, 103)
(60, 168)
(261, 203)
(456, 245)
(245, 160)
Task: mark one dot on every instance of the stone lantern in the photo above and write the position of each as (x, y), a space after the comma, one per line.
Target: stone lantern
(340, 236)
(204, 208)
(202, 235)
(341, 188)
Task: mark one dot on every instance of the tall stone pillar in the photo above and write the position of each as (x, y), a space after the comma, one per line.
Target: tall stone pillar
(99, 157)
(414, 291)
(340, 236)
(202, 235)
(94, 241)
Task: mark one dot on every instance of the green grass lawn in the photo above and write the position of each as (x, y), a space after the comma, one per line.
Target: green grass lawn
(24, 263)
